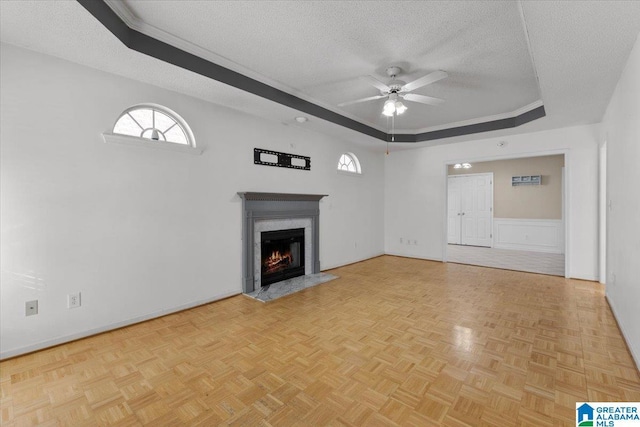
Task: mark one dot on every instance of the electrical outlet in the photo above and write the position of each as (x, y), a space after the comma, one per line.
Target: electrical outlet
(73, 300)
(31, 308)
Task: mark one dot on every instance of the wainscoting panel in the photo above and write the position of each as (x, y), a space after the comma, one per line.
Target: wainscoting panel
(540, 235)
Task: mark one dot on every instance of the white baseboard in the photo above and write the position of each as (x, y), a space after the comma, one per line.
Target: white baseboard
(537, 235)
(635, 356)
(332, 266)
(84, 334)
(414, 256)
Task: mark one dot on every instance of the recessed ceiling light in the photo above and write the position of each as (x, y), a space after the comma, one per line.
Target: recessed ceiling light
(301, 119)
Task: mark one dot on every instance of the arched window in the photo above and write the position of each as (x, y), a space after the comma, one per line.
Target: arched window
(155, 123)
(349, 163)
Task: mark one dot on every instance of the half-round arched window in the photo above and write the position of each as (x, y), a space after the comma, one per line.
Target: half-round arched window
(155, 123)
(349, 163)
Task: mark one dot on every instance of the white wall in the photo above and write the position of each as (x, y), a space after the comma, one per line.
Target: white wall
(415, 191)
(137, 230)
(141, 231)
(621, 130)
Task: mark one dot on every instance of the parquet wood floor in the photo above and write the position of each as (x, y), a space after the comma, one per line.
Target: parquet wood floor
(394, 341)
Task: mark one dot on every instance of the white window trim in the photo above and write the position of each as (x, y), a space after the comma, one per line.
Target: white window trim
(343, 172)
(114, 138)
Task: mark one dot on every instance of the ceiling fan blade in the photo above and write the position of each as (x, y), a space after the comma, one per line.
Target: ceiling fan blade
(371, 98)
(425, 80)
(430, 100)
(376, 83)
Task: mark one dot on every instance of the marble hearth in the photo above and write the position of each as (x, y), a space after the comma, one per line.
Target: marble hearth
(277, 211)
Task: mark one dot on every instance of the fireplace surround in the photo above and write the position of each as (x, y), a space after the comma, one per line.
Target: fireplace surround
(263, 212)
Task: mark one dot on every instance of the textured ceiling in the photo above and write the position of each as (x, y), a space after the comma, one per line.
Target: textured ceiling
(580, 49)
(317, 51)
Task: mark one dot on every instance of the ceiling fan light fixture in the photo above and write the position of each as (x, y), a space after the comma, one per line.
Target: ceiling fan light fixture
(389, 108)
(397, 90)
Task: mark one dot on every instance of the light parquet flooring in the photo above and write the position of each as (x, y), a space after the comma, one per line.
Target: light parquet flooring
(393, 341)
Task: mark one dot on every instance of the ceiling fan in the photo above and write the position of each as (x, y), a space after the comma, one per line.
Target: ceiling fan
(396, 90)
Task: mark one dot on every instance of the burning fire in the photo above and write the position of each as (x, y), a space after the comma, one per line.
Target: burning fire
(277, 261)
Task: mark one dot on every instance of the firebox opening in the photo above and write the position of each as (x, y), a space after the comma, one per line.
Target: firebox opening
(282, 255)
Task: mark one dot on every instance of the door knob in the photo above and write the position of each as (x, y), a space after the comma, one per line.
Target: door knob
(462, 213)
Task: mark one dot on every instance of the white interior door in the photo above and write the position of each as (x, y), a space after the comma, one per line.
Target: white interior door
(477, 210)
(453, 215)
(472, 196)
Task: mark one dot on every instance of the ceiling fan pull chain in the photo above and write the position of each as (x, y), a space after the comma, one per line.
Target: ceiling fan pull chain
(387, 135)
(393, 128)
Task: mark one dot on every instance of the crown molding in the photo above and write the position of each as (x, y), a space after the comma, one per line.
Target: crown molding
(137, 24)
(493, 125)
(485, 119)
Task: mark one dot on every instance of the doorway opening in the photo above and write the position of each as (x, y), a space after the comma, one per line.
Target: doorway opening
(508, 213)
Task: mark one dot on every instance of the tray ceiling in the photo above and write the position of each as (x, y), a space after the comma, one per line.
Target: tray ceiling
(495, 53)
(318, 50)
